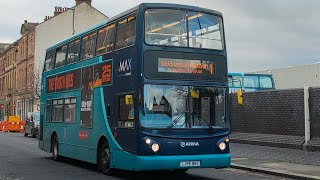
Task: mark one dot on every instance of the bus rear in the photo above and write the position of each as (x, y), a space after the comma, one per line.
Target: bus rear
(248, 82)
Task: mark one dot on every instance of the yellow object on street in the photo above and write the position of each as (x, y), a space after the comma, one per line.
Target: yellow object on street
(15, 119)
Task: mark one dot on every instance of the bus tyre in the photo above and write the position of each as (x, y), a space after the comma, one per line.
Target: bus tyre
(55, 149)
(104, 159)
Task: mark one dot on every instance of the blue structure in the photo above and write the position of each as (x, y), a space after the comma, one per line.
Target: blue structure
(145, 90)
(250, 82)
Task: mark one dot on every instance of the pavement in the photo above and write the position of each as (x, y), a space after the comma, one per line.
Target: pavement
(284, 162)
(275, 140)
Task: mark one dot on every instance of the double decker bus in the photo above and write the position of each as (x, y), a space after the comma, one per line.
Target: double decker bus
(249, 82)
(144, 90)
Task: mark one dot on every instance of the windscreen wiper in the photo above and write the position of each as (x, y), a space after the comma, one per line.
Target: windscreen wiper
(198, 115)
(175, 121)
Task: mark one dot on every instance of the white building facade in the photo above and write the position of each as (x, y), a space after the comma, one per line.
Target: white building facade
(296, 77)
(63, 25)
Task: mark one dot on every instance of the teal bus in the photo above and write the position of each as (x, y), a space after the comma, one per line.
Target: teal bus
(144, 90)
(249, 82)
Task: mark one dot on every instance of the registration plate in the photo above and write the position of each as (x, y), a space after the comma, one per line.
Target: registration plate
(189, 163)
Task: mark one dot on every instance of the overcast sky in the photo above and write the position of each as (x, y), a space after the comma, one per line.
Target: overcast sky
(264, 34)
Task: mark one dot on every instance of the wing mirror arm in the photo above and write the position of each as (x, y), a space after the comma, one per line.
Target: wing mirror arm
(108, 111)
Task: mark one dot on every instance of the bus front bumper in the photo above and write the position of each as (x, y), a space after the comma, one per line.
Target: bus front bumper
(147, 163)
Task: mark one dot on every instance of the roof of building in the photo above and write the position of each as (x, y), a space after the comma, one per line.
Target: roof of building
(3, 46)
(27, 26)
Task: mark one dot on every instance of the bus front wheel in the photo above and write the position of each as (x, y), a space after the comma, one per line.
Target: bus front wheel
(55, 149)
(104, 159)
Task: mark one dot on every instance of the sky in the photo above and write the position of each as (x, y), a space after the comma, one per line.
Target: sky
(260, 35)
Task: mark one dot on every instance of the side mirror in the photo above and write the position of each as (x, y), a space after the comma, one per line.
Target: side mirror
(195, 94)
(240, 97)
(129, 100)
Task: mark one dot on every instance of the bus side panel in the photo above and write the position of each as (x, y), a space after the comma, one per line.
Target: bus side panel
(87, 151)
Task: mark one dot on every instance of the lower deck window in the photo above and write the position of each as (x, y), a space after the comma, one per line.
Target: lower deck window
(57, 110)
(70, 110)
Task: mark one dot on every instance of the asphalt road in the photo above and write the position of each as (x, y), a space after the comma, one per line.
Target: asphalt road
(20, 158)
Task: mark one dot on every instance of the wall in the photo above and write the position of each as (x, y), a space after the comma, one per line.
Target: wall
(271, 112)
(314, 101)
(279, 112)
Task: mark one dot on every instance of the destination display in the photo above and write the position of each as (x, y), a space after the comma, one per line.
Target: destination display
(65, 81)
(184, 66)
(92, 76)
(170, 65)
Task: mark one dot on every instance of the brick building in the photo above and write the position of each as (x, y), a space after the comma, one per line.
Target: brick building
(7, 77)
(24, 92)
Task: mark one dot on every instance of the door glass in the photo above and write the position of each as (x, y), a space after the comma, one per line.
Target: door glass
(126, 111)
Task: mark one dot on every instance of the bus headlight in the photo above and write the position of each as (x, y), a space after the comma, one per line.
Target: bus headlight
(222, 146)
(155, 147)
(148, 141)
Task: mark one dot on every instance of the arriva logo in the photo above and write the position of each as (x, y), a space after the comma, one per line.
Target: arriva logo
(190, 144)
(125, 65)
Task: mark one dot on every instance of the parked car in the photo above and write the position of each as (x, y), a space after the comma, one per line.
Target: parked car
(32, 124)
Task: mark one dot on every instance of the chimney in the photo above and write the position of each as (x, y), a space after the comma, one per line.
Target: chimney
(81, 1)
(47, 18)
(59, 10)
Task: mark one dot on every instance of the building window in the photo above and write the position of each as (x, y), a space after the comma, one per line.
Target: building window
(61, 56)
(48, 65)
(70, 110)
(126, 32)
(126, 111)
(57, 110)
(73, 51)
(105, 39)
(88, 46)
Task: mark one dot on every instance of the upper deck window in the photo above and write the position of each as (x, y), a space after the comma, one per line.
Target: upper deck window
(61, 56)
(204, 31)
(265, 82)
(105, 39)
(48, 65)
(73, 51)
(169, 27)
(251, 81)
(126, 32)
(166, 27)
(237, 81)
(88, 46)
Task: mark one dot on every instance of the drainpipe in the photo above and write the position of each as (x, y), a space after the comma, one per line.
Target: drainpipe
(306, 117)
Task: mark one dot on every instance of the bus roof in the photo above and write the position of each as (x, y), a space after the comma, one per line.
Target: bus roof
(249, 74)
(142, 5)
